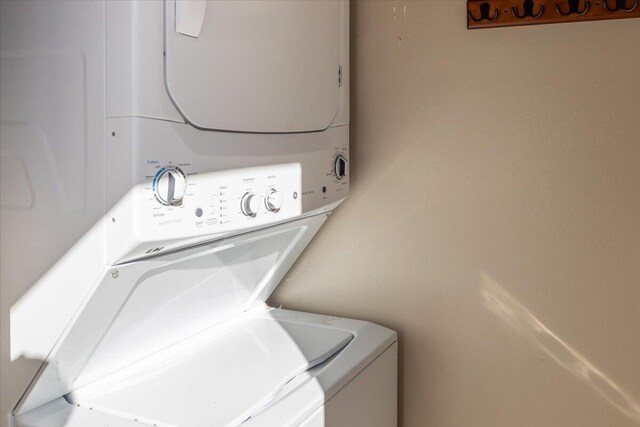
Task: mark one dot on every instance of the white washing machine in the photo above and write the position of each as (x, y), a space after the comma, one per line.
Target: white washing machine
(171, 160)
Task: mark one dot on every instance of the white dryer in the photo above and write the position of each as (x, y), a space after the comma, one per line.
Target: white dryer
(212, 139)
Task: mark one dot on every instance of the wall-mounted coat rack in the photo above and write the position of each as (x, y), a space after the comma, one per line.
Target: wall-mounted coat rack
(505, 13)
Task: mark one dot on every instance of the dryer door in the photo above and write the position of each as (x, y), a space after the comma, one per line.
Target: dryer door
(254, 66)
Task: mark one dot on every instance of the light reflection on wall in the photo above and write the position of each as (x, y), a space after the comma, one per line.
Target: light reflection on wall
(514, 314)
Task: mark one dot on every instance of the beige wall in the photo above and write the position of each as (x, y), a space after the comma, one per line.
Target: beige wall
(494, 216)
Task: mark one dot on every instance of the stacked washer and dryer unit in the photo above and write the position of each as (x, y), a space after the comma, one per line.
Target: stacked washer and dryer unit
(224, 144)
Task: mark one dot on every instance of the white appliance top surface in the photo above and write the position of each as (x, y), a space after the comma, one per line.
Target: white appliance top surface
(220, 382)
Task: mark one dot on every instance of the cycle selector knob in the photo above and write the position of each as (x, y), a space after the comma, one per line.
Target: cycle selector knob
(169, 186)
(273, 201)
(250, 204)
(340, 166)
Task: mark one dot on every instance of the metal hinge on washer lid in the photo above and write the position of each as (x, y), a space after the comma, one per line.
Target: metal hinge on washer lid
(189, 16)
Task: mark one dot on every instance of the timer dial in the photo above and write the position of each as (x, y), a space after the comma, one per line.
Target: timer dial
(340, 166)
(169, 186)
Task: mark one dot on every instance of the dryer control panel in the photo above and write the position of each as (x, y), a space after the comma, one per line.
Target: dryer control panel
(177, 207)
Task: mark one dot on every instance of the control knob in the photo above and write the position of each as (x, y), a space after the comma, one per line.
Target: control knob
(169, 185)
(273, 201)
(250, 204)
(340, 166)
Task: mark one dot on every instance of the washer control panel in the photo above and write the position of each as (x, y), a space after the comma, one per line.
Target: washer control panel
(180, 203)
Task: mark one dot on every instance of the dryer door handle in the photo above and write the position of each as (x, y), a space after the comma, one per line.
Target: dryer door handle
(190, 16)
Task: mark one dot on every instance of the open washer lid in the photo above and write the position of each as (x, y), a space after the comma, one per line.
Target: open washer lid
(151, 305)
(254, 66)
(221, 380)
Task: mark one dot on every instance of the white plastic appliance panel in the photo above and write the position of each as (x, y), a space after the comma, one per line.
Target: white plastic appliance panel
(135, 68)
(369, 342)
(256, 66)
(202, 156)
(369, 400)
(140, 308)
(214, 204)
(326, 383)
(221, 382)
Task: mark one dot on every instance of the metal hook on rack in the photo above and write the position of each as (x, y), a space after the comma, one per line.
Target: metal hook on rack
(574, 8)
(527, 11)
(485, 9)
(620, 5)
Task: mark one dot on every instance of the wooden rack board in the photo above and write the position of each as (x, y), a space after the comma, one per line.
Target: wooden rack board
(505, 13)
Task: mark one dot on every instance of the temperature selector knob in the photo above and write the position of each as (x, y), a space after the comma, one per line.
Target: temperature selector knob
(250, 204)
(340, 166)
(169, 186)
(273, 201)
